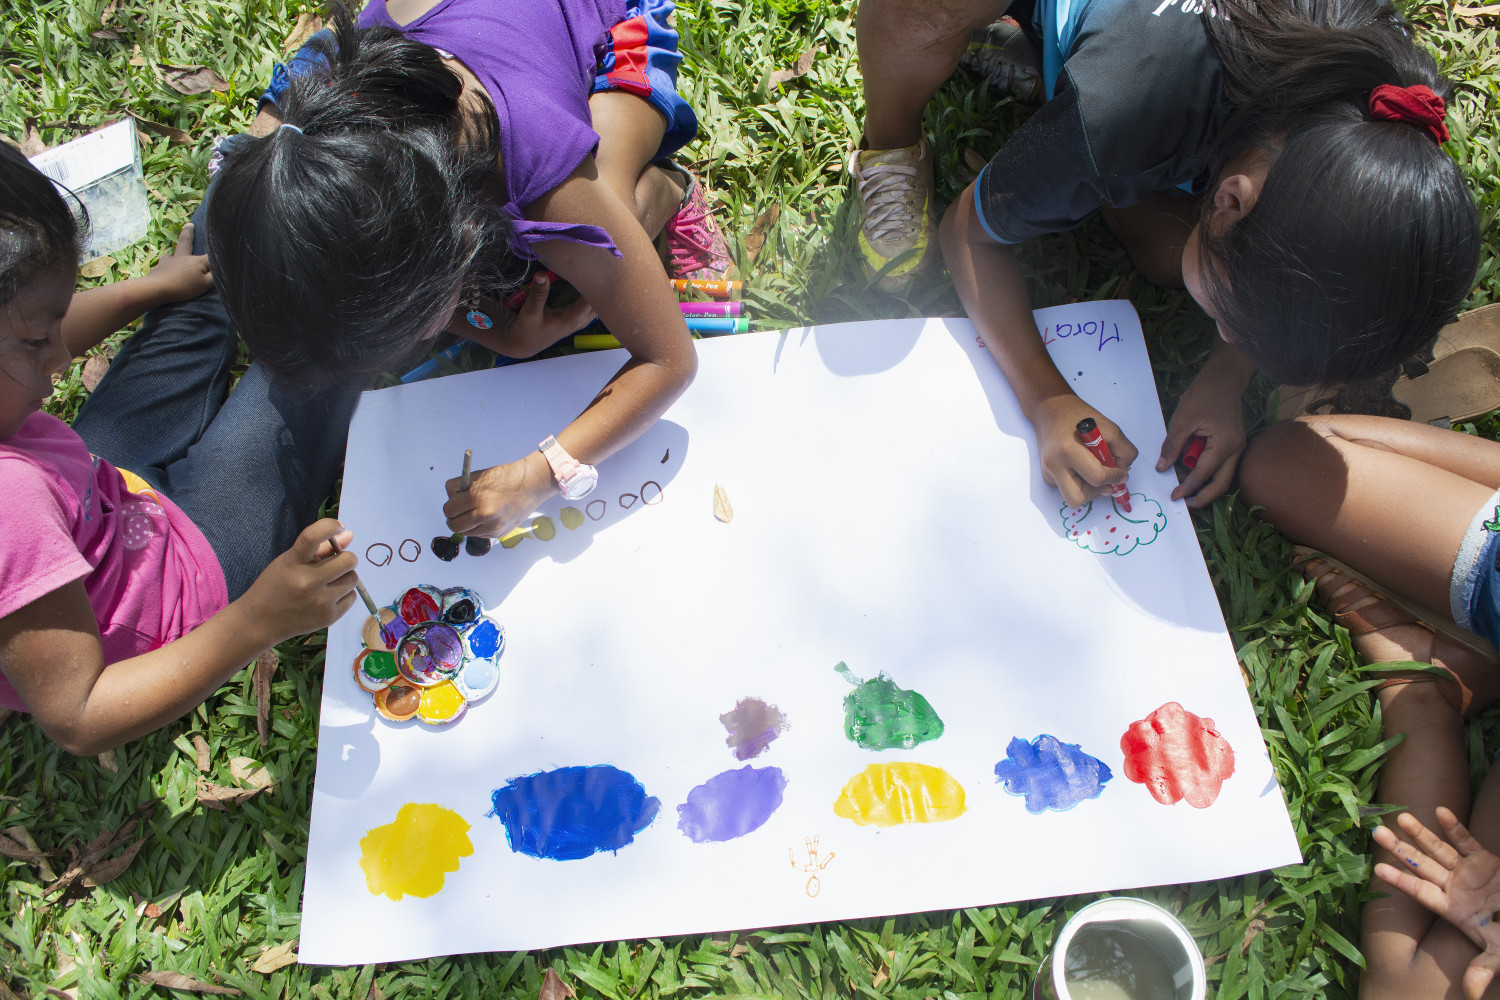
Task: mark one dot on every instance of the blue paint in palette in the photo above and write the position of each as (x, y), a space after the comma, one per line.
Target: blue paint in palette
(484, 639)
(573, 812)
(1051, 774)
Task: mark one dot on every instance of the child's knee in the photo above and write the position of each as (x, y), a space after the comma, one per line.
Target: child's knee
(1264, 469)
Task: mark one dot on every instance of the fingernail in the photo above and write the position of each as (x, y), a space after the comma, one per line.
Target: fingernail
(1161, 465)
(541, 279)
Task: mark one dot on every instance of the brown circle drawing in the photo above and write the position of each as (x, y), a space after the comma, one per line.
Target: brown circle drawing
(589, 510)
(372, 553)
(416, 545)
(651, 482)
(627, 500)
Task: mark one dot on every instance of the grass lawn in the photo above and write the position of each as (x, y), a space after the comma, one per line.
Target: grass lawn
(210, 891)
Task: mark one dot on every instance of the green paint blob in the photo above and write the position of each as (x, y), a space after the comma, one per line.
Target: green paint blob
(879, 715)
(380, 665)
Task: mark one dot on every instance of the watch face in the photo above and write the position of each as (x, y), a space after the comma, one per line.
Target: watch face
(582, 483)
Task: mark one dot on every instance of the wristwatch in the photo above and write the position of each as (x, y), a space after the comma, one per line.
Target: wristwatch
(574, 479)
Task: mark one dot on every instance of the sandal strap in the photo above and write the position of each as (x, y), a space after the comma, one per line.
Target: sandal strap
(1375, 616)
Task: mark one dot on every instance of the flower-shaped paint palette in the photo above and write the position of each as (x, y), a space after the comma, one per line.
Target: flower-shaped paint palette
(430, 655)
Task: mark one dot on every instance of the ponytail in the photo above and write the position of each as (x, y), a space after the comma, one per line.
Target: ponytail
(1364, 240)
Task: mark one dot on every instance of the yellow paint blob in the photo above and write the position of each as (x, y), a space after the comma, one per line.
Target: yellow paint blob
(411, 856)
(514, 536)
(900, 792)
(543, 528)
(571, 517)
(441, 703)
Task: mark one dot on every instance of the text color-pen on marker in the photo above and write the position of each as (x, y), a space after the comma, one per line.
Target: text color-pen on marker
(1090, 438)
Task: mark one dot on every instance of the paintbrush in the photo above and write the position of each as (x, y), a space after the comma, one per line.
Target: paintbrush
(446, 549)
(386, 635)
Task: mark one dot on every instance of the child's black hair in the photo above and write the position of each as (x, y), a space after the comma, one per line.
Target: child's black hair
(38, 230)
(338, 242)
(1364, 240)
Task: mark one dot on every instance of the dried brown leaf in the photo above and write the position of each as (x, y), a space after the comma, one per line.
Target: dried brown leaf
(1251, 932)
(107, 758)
(108, 13)
(22, 836)
(553, 988)
(93, 373)
(177, 981)
(93, 863)
(723, 510)
(69, 994)
(245, 769)
(136, 59)
(192, 79)
(214, 796)
(155, 910)
(756, 237)
(802, 67)
(306, 26)
(1474, 13)
(974, 159)
(105, 35)
(21, 851)
(374, 993)
(174, 136)
(260, 681)
(31, 140)
(738, 950)
(5, 993)
(200, 747)
(97, 268)
(108, 871)
(275, 958)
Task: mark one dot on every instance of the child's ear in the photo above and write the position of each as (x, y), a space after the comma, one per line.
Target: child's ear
(1235, 196)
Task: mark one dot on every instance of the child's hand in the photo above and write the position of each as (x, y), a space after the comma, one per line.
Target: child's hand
(532, 329)
(180, 274)
(308, 586)
(499, 497)
(1209, 408)
(1066, 463)
(1459, 882)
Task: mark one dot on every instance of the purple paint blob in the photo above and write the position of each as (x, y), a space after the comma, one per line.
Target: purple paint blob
(1051, 774)
(731, 804)
(752, 725)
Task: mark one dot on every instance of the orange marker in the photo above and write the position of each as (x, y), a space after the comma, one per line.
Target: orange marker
(1090, 438)
(718, 289)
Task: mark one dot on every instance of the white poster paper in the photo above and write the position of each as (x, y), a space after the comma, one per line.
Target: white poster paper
(888, 515)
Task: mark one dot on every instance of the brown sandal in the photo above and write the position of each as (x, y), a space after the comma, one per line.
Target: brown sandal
(1469, 691)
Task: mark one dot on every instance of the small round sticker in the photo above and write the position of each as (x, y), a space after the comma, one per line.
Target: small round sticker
(480, 320)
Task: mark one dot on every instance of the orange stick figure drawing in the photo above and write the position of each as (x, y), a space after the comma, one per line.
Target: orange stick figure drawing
(812, 865)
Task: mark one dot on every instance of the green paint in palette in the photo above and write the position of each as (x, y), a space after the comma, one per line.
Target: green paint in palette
(380, 665)
(880, 715)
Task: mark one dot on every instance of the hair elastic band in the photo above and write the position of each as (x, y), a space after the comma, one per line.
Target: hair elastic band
(292, 127)
(1416, 105)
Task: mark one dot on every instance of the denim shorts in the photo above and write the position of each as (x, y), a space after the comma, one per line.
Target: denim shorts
(1474, 593)
(640, 57)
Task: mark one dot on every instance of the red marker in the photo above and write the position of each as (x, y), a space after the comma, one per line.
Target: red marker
(1193, 451)
(1090, 438)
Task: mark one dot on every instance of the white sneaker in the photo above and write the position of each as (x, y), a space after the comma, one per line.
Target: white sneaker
(896, 212)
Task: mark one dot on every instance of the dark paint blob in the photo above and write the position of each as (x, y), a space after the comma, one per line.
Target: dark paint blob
(573, 812)
(666, 455)
(752, 725)
(880, 715)
(477, 546)
(461, 612)
(1051, 774)
(731, 804)
(445, 547)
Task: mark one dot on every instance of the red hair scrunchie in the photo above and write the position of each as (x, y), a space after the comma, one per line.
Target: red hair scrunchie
(1416, 105)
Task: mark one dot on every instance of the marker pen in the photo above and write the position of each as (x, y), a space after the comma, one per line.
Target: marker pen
(1193, 451)
(711, 308)
(718, 289)
(594, 341)
(1090, 438)
(713, 326)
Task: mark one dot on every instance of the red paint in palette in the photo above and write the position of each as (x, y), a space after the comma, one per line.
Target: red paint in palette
(418, 606)
(1177, 755)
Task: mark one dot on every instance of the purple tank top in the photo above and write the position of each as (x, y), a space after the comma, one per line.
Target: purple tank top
(536, 59)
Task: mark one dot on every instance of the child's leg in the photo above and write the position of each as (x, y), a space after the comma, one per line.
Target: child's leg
(630, 134)
(1154, 232)
(1391, 498)
(161, 392)
(907, 48)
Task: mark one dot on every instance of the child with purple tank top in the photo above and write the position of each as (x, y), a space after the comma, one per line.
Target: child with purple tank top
(401, 169)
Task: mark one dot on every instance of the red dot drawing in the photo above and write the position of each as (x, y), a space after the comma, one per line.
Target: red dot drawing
(1177, 756)
(1077, 523)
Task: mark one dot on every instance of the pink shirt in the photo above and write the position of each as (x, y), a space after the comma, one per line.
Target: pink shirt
(149, 573)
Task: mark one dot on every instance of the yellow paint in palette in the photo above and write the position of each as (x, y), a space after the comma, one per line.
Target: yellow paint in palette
(900, 792)
(412, 855)
(441, 703)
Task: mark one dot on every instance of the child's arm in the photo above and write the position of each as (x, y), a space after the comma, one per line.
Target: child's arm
(1458, 881)
(98, 312)
(633, 297)
(51, 654)
(988, 279)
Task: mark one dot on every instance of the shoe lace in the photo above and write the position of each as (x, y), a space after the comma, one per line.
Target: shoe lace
(887, 191)
(693, 240)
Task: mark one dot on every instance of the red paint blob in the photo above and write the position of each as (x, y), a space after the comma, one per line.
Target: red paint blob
(418, 607)
(1177, 755)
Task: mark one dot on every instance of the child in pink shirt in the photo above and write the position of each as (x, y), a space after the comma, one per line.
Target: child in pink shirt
(119, 609)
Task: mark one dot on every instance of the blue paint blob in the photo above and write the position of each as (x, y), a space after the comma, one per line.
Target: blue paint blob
(573, 812)
(731, 804)
(484, 639)
(1051, 774)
